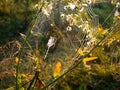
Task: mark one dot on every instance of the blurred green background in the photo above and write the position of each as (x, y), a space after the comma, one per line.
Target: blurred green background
(15, 16)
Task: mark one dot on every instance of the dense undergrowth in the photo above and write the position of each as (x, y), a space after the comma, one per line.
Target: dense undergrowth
(32, 61)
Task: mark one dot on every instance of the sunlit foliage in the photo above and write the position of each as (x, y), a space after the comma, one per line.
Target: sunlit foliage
(62, 35)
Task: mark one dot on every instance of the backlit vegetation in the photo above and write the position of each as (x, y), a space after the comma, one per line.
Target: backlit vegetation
(59, 45)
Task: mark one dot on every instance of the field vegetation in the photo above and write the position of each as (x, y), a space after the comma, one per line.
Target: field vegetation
(59, 45)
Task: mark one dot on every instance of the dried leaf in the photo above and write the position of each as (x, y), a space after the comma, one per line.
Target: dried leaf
(51, 41)
(80, 52)
(88, 59)
(57, 69)
(101, 30)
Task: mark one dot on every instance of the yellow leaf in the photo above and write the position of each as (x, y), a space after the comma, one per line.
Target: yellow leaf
(100, 28)
(101, 31)
(57, 69)
(89, 59)
(80, 52)
(16, 59)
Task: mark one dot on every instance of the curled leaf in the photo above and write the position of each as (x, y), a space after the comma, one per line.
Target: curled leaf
(51, 42)
(101, 30)
(89, 59)
(80, 52)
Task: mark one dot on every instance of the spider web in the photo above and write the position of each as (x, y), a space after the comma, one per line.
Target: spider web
(82, 35)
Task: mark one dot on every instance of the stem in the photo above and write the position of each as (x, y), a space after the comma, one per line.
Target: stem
(24, 43)
(17, 68)
(46, 53)
(32, 83)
